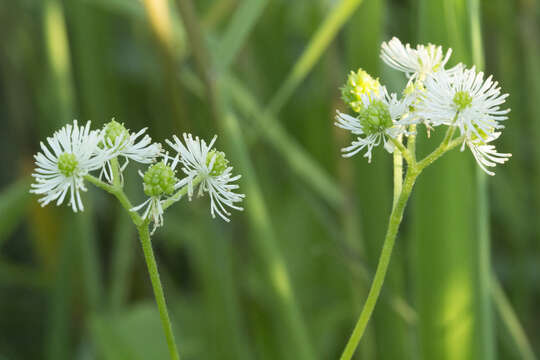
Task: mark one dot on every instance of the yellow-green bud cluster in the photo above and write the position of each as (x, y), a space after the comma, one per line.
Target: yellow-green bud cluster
(462, 99)
(159, 180)
(114, 129)
(220, 162)
(375, 118)
(67, 164)
(358, 83)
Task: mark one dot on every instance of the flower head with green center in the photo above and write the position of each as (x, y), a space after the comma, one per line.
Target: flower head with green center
(463, 98)
(358, 83)
(127, 145)
(72, 153)
(415, 63)
(159, 181)
(67, 164)
(212, 168)
(379, 120)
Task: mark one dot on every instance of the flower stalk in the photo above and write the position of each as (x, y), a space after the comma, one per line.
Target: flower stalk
(402, 193)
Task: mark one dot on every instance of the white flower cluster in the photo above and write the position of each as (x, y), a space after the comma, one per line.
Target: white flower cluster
(75, 151)
(456, 97)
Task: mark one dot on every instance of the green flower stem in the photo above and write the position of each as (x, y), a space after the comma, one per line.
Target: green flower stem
(445, 146)
(411, 141)
(402, 149)
(394, 222)
(119, 194)
(146, 243)
(144, 235)
(178, 195)
(375, 290)
(117, 175)
(398, 174)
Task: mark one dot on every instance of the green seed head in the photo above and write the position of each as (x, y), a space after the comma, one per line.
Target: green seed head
(159, 179)
(375, 118)
(220, 163)
(462, 99)
(67, 164)
(359, 82)
(113, 129)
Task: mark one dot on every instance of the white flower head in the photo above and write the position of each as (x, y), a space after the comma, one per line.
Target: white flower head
(463, 99)
(200, 160)
(379, 119)
(74, 154)
(129, 145)
(417, 62)
(158, 182)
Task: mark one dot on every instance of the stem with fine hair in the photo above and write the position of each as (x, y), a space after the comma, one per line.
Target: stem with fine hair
(150, 259)
(402, 193)
(144, 235)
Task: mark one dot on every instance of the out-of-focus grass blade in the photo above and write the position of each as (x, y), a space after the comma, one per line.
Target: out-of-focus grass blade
(446, 241)
(122, 259)
(85, 236)
(511, 321)
(217, 11)
(134, 334)
(211, 252)
(238, 30)
(260, 218)
(59, 61)
(316, 46)
(484, 304)
(21, 275)
(299, 160)
(13, 204)
(60, 301)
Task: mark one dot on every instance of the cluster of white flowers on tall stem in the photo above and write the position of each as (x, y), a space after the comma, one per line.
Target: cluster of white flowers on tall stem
(459, 100)
(75, 151)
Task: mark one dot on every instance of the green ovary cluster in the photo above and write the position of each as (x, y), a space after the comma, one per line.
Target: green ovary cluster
(114, 129)
(462, 99)
(159, 180)
(358, 83)
(220, 163)
(375, 118)
(67, 164)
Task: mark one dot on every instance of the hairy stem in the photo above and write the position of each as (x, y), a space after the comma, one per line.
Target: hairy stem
(150, 259)
(398, 174)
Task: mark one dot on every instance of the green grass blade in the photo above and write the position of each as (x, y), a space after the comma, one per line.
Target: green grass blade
(14, 201)
(238, 30)
(485, 309)
(122, 260)
(299, 160)
(511, 321)
(450, 304)
(326, 32)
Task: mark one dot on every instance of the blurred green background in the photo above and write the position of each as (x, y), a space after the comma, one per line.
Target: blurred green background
(286, 279)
